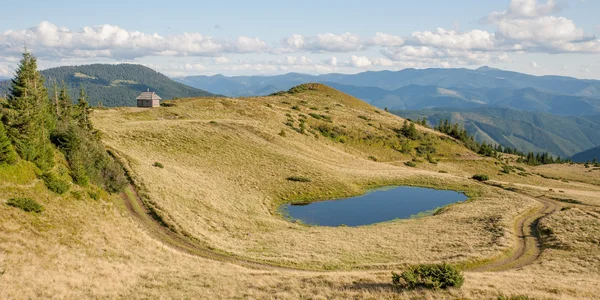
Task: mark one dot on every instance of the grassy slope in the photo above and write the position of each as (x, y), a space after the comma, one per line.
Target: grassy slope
(221, 183)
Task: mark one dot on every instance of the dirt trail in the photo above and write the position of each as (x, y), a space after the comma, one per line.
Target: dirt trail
(178, 241)
(528, 247)
(526, 251)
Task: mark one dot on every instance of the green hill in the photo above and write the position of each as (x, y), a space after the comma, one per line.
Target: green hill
(116, 85)
(587, 155)
(527, 131)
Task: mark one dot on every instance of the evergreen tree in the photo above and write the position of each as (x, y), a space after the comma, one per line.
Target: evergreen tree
(27, 116)
(7, 152)
(65, 104)
(82, 111)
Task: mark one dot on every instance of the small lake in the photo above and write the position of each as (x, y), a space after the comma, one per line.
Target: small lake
(375, 206)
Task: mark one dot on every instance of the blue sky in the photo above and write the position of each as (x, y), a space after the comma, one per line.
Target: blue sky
(182, 38)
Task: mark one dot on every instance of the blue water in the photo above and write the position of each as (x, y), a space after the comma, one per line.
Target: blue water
(373, 207)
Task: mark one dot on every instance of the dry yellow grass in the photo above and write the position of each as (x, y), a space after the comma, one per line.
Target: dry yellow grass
(222, 183)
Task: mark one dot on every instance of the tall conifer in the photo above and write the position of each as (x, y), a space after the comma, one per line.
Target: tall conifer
(27, 118)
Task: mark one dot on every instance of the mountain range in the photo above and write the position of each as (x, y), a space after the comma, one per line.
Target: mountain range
(483, 77)
(115, 85)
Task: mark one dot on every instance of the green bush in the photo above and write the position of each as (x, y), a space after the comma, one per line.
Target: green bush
(299, 179)
(26, 204)
(77, 195)
(158, 165)
(514, 297)
(480, 177)
(55, 183)
(88, 159)
(373, 158)
(410, 164)
(429, 276)
(94, 195)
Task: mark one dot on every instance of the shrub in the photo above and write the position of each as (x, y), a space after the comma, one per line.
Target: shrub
(88, 159)
(94, 195)
(26, 204)
(442, 171)
(282, 132)
(299, 179)
(410, 164)
(513, 297)
(430, 276)
(480, 177)
(77, 195)
(365, 118)
(158, 165)
(373, 158)
(55, 183)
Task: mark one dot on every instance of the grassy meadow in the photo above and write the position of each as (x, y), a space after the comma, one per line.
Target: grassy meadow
(217, 169)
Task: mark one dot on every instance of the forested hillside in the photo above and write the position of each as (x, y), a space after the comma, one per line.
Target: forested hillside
(526, 131)
(587, 155)
(115, 85)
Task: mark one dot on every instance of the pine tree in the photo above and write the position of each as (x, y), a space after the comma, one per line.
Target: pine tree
(65, 104)
(82, 111)
(7, 152)
(28, 119)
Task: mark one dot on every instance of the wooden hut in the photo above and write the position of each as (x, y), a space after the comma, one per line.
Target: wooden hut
(148, 99)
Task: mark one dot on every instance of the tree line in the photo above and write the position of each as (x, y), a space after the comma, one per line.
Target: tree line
(35, 124)
(460, 133)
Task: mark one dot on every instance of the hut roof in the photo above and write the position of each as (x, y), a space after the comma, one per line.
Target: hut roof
(148, 96)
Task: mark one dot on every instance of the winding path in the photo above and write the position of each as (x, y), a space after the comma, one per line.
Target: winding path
(526, 250)
(528, 247)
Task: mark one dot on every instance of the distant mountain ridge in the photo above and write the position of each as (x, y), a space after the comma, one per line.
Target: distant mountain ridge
(527, 131)
(483, 77)
(115, 85)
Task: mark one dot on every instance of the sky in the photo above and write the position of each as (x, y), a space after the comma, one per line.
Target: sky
(183, 38)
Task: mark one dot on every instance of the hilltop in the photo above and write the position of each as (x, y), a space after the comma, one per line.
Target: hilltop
(115, 85)
(202, 215)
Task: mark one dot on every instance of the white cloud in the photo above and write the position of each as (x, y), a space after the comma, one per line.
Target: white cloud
(386, 40)
(220, 60)
(383, 62)
(49, 40)
(333, 61)
(450, 39)
(543, 29)
(534, 65)
(302, 60)
(360, 61)
(531, 8)
(326, 42)
(5, 71)
(194, 67)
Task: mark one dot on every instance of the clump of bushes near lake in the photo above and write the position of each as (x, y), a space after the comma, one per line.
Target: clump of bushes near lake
(481, 177)
(26, 204)
(429, 276)
(299, 179)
